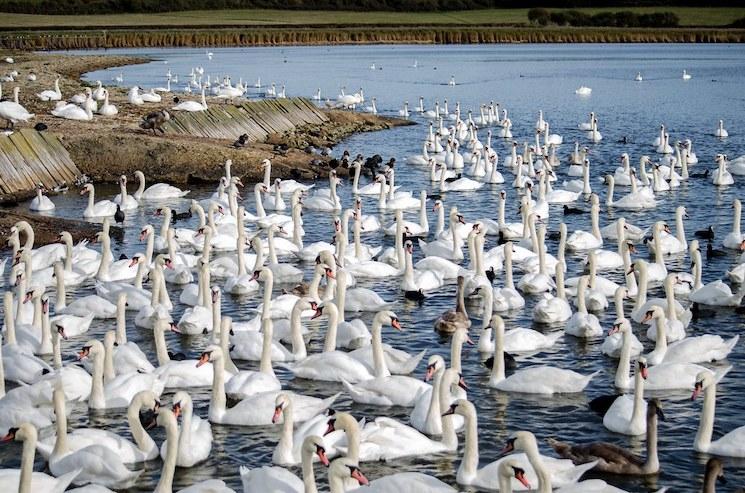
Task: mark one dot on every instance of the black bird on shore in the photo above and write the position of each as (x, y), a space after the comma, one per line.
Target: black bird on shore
(40, 127)
(707, 234)
(155, 121)
(119, 214)
(573, 210)
(711, 252)
(241, 142)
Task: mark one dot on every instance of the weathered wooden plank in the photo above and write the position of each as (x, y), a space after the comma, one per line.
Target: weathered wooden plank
(26, 178)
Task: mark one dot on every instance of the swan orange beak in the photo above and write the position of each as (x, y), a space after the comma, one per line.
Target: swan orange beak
(429, 373)
(319, 312)
(462, 383)
(61, 332)
(203, 359)
(83, 353)
(10, 436)
(615, 329)
(396, 324)
(645, 371)
(330, 428)
(277, 414)
(177, 409)
(361, 479)
(330, 274)
(134, 261)
(520, 476)
(321, 453)
(508, 447)
(697, 389)
(647, 316)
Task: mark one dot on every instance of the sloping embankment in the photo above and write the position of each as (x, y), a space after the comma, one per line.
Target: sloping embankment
(50, 39)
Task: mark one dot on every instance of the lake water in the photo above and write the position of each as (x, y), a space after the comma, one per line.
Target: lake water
(524, 79)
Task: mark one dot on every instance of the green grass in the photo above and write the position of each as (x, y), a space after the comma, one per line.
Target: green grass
(688, 17)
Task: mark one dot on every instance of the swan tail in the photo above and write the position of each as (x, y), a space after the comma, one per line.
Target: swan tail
(732, 342)
(330, 400)
(365, 396)
(581, 469)
(64, 481)
(412, 363)
(720, 373)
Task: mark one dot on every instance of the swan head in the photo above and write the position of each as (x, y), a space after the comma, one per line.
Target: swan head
(520, 440)
(26, 431)
(642, 367)
(510, 468)
(212, 353)
(703, 380)
(340, 421)
(461, 407)
(343, 468)
(387, 317)
(91, 349)
(655, 312)
(87, 188)
(434, 364)
(313, 444)
(280, 404)
(622, 325)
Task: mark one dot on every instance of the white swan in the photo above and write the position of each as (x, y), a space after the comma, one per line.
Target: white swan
(195, 434)
(143, 448)
(26, 480)
(583, 324)
(51, 95)
(731, 444)
(116, 392)
(93, 463)
(72, 112)
(535, 380)
(561, 471)
(627, 414)
(551, 309)
(96, 209)
(167, 419)
(256, 410)
(192, 106)
(157, 191)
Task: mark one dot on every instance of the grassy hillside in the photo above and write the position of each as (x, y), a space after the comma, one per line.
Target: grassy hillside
(689, 16)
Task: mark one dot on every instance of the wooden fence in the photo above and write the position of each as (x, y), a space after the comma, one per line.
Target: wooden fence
(28, 157)
(258, 119)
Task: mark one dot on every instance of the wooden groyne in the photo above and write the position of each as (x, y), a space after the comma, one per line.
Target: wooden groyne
(257, 119)
(28, 157)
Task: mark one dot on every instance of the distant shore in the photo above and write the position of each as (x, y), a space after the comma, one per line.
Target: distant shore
(191, 37)
(292, 27)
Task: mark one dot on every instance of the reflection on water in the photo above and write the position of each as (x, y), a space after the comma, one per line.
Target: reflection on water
(523, 79)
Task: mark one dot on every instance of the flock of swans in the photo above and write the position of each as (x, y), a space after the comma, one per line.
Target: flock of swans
(237, 247)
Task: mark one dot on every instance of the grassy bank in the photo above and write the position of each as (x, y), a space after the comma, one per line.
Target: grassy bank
(689, 16)
(265, 36)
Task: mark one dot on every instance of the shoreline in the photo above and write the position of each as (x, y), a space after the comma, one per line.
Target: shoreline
(175, 37)
(108, 147)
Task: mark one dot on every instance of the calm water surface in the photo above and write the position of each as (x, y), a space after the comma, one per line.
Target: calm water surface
(523, 79)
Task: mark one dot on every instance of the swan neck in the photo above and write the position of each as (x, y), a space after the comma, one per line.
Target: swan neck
(265, 366)
(144, 442)
(27, 464)
(61, 447)
(497, 372)
(333, 315)
(381, 368)
(161, 348)
(469, 465)
(298, 344)
(165, 484)
(624, 360)
(653, 463)
(309, 475)
(706, 425)
(217, 401)
(638, 410)
(434, 413)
